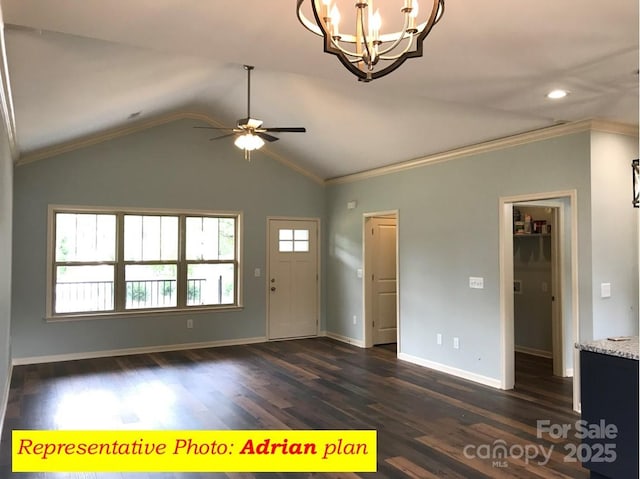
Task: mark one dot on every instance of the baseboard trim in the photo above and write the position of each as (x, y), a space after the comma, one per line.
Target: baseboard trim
(460, 373)
(345, 339)
(4, 400)
(541, 353)
(129, 351)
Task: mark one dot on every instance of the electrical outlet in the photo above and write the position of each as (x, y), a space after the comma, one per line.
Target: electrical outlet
(439, 339)
(476, 283)
(456, 343)
(257, 272)
(189, 323)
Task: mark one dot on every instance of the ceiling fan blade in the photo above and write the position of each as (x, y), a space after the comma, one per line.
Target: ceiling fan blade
(266, 136)
(293, 129)
(214, 127)
(221, 136)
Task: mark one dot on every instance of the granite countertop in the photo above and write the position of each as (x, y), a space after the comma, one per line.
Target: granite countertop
(627, 347)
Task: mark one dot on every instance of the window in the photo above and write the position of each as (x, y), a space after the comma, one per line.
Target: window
(293, 241)
(106, 262)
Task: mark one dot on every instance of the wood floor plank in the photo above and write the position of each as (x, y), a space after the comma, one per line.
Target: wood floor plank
(423, 418)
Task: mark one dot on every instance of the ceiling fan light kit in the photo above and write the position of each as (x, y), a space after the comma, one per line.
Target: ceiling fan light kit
(251, 135)
(367, 52)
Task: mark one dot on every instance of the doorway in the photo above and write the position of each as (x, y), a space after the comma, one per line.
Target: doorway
(381, 278)
(565, 285)
(537, 322)
(538, 327)
(292, 278)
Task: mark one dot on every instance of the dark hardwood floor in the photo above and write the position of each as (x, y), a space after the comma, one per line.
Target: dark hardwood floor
(424, 419)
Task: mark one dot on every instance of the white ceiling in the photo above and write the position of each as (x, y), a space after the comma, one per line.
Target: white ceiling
(81, 67)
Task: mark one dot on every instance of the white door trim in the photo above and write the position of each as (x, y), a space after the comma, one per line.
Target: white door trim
(267, 271)
(367, 328)
(506, 284)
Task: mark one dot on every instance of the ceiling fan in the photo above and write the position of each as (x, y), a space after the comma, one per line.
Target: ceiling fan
(249, 132)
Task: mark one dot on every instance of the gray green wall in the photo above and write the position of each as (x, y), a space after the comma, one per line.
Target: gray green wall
(6, 200)
(614, 232)
(171, 166)
(448, 231)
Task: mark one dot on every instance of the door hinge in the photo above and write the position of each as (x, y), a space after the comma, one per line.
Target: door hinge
(373, 324)
(371, 231)
(372, 279)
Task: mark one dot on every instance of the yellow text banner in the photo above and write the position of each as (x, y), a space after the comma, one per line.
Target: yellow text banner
(194, 451)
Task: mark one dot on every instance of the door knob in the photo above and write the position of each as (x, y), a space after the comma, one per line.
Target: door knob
(273, 280)
(273, 288)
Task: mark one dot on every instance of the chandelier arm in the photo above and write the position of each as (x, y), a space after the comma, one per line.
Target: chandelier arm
(402, 36)
(357, 56)
(364, 38)
(406, 49)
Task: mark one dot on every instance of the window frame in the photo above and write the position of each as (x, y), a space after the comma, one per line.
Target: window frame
(119, 286)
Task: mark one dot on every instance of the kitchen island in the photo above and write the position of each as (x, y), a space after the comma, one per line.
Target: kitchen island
(609, 403)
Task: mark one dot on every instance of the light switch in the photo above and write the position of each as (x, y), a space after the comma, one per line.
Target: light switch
(476, 283)
(605, 290)
(257, 272)
(359, 273)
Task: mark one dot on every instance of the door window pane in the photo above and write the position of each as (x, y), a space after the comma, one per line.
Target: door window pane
(210, 284)
(84, 288)
(85, 237)
(151, 286)
(296, 241)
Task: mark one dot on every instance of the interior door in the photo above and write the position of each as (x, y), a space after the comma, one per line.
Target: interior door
(293, 279)
(383, 278)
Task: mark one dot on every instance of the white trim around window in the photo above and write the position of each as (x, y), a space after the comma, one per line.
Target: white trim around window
(112, 261)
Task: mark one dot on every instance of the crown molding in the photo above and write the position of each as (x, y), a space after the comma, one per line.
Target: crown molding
(142, 126)
(6, 101)
(606, 126)
(493, 145)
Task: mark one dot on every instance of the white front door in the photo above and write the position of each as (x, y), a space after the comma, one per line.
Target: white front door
(383, 278)
(293, 279)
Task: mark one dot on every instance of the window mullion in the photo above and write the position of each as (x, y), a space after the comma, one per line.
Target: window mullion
(182, 262)
(121, 285)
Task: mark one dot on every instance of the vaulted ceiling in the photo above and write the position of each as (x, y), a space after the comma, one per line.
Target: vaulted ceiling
(82, 67)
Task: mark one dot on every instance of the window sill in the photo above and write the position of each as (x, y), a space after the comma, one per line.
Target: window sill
(141, 313)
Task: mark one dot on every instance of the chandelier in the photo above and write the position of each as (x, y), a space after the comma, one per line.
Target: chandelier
(367, 52)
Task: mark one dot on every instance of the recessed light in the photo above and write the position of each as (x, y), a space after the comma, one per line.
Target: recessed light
(557, 94)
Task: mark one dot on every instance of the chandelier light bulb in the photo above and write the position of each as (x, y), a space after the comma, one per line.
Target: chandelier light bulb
(335, 20)
(376, 24)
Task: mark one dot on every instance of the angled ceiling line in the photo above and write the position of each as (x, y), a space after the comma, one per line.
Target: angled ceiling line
(115, 133)
(6, 98)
